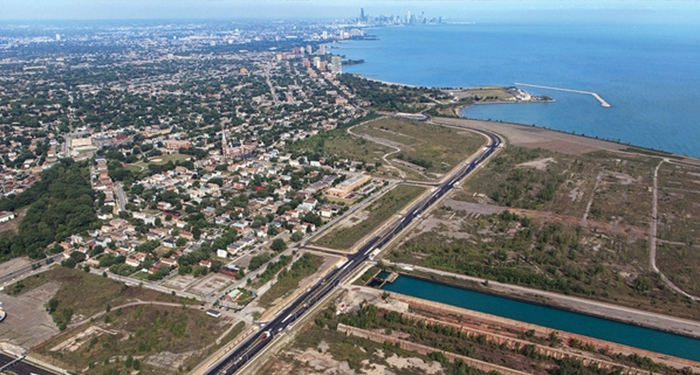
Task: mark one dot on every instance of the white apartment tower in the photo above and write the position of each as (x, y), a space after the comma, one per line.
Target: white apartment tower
(336, 65)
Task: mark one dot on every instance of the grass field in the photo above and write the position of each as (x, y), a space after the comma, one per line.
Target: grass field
(543, 252)
(616, 186)
(163, 340)
(494, 92)
(288, 280)
(86, 294)
(433, 148)
(317, 349)
(679, 203)
(681, 264)
(343, 145)
(575, 224)
(157, 160)
(497, 93)
(375, 214)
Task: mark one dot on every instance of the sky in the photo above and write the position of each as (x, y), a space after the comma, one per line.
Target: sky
(20, 10)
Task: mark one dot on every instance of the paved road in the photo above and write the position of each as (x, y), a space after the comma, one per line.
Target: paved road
(266, 71)
(146, 284)
(120, 196)
(27, 269)
(302, 244)
(652, 236)
(22, 368)
(237, 358)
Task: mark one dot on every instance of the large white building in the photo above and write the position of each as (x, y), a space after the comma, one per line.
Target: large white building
(6, 216)
(336, 65)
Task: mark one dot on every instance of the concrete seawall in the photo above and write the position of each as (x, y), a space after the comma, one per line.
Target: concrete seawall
(602, 101)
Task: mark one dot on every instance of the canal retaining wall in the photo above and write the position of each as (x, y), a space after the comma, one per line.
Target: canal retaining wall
(513, 343)
(486, 320)
(425, 350)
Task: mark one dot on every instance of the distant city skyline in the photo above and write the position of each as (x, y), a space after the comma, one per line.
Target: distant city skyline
(20, 10)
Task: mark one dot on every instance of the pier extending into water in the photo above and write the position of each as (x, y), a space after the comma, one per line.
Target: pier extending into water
(602, 101)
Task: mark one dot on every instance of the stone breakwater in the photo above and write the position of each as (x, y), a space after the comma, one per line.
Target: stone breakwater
(602, 101)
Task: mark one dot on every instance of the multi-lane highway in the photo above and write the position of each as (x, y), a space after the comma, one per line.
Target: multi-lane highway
(19, 273)
(20, 367)
(237, 358)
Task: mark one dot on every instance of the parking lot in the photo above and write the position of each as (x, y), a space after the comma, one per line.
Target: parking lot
(27, 322)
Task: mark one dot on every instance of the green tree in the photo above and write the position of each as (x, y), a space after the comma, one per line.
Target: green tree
(297, 236)
(272, 230)
(278, 245)
(69, 263)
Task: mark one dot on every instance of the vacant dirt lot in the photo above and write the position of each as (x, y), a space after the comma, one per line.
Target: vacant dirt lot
(210, 284)
(10, 227)
(531, 137)
(27, 322)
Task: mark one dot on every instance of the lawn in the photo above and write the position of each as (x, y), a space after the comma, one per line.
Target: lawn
(497, 93)
(376, 213)
(157, 160)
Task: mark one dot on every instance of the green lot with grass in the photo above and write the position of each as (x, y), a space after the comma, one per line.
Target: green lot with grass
(342, 145)
(376, 213)
(288, 280)
(433, 149)
(139, 339)
(82, 294)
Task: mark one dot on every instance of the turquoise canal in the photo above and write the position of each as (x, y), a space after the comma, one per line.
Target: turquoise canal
(644, 338)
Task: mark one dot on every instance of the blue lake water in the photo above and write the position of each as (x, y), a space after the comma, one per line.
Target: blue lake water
(646, 65)
(644, 338)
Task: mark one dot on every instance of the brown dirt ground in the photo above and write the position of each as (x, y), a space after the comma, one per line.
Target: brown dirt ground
(11, 226)
(532, 137)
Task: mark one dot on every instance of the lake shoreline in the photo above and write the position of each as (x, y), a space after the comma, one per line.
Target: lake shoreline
(505, 53)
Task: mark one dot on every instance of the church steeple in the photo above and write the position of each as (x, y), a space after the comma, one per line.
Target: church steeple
(224, 144)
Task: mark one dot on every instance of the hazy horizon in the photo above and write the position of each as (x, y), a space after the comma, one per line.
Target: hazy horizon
(48, 10)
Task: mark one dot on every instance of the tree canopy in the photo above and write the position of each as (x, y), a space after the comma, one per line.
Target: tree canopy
(60, 205)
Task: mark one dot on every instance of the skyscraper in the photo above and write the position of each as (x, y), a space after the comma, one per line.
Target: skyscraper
(362, 14)
(336, 65)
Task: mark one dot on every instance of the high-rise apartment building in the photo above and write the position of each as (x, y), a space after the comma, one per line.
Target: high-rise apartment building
(336, 65)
